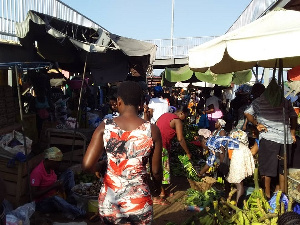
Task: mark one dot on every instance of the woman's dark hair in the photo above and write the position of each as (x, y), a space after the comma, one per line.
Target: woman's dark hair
(112, 98)
(257, 90)
(183, 108)
(218, 92)
(130, 92)
(201, 138)
(289, 218)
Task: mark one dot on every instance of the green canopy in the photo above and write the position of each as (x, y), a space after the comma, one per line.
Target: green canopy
(178, 74)
(219, 79)
(242, 77)
(184, 74)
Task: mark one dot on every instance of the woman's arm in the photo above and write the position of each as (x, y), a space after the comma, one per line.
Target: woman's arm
(180, 137)
(254, 149)
(293, 123)
(36, 192)
(94, 151)
(156, 160)
(251, 119)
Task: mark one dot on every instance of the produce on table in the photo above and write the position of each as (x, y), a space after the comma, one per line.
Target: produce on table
(91, 190)
(294, 185)
(83, 177)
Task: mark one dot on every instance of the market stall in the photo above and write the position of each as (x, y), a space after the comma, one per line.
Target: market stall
(15, 144)
(271, 41)
(104, 54)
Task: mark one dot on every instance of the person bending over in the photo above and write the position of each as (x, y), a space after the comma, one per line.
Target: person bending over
(170, 124)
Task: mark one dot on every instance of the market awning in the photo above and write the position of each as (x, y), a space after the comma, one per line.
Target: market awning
(186, 75)
(68, 44)
(14, 52)
(271, 37)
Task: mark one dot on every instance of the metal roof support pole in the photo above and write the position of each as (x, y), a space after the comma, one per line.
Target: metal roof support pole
(280, 71)
(78, 109)
(23, 130)
(172, 30)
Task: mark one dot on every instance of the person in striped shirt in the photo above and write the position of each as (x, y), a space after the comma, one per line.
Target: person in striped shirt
(266, 113)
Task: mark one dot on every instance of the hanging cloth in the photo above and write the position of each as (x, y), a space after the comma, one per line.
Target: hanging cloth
(273, 94)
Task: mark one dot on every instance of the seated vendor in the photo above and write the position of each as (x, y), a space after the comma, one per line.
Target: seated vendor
(48, 191)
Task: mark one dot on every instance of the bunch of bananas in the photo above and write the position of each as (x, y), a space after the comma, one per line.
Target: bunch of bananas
(208, 219)
(256, 210)
(190, 170)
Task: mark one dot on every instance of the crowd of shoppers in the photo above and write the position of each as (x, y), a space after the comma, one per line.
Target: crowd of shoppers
(136, 137)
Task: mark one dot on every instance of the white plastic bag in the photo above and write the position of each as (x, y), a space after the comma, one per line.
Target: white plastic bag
(71, 123)
(14, 142)
(21, 215)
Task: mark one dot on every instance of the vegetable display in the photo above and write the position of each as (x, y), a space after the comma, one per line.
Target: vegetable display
(83, 177)
(200, 199)
(294, 185)
(191, 173)
(88, 189)
(219, 211)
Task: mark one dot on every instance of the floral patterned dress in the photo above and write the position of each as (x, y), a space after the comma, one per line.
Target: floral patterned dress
(125, 196)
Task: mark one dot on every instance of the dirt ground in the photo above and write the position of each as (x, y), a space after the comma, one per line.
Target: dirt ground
(174, 212)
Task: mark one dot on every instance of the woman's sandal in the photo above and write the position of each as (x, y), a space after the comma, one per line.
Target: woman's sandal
(161, 201)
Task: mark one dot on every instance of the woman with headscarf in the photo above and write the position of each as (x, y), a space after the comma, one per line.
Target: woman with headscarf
(219, 125)
(241, 160)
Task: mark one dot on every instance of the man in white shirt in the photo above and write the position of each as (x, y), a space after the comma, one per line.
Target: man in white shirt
(158, 105)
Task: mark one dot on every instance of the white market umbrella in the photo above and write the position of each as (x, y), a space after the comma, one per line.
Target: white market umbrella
(260, 43)
(271, 37)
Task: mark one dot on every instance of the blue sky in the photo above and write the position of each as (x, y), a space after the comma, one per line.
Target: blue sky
(151, 19)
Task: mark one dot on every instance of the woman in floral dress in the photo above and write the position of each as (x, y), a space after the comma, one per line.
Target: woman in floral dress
(129, 143)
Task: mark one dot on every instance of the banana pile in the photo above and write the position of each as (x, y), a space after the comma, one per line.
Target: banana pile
(255, 211)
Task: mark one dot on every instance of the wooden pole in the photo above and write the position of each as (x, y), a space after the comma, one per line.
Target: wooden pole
(23, 131)
(78, 109)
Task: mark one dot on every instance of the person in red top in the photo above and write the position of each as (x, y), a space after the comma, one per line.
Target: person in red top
(170, 124)
(47, 190)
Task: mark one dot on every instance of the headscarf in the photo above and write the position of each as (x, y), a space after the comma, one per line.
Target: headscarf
(54, 154)
(241, 136)
(205, 133)
(222, 122)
